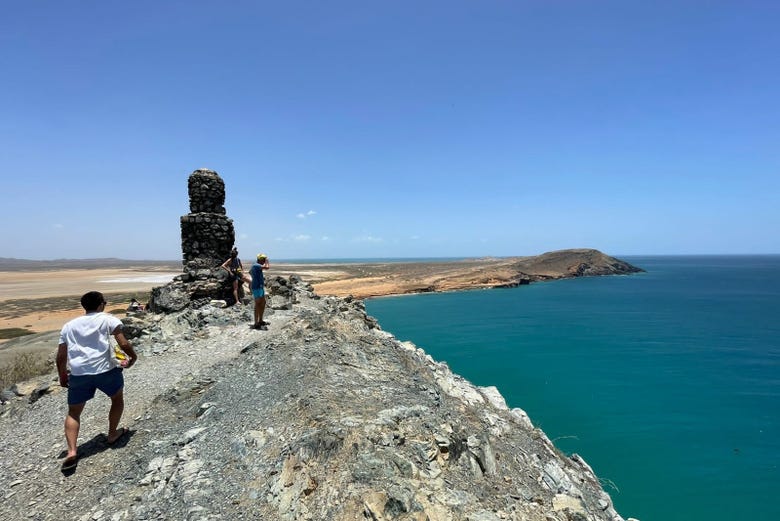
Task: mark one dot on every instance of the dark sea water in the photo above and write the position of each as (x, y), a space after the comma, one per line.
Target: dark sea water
(666, 382)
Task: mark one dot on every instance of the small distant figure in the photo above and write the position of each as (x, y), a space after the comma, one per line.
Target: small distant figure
(84, 345)
(135, 306)
(258, 289)
(236, 269)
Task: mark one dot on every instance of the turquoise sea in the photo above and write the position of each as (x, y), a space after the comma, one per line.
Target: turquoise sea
(666, 382)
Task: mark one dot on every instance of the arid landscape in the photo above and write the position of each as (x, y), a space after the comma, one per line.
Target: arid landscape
(41, 299)
(41, 296)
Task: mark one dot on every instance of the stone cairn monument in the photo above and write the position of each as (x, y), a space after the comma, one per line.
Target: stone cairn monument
(207, 235)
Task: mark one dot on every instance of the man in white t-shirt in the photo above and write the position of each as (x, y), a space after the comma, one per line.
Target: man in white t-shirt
(85, 346)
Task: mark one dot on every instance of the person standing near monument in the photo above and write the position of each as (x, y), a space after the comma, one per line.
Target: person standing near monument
(85, 346)
(258, 289)
(236, 269)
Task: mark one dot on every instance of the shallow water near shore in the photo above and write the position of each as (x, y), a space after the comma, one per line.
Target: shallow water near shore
(666, 382)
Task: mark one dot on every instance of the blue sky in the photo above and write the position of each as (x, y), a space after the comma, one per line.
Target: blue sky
(392, 129)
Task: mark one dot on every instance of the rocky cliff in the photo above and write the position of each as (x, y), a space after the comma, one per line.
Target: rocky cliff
(322, 417)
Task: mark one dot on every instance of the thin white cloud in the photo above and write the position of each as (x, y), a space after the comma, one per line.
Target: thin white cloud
(295, 238)
(305, 215)
(311, 212)
(325, 238)
(301, 216)
(58, 226)
(368, 238)
(414, 237)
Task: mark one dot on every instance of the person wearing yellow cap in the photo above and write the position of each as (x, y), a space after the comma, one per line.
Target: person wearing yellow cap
(258, 289)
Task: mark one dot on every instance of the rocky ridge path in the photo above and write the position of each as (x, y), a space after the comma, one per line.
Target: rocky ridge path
(32, 435)
(324, 416)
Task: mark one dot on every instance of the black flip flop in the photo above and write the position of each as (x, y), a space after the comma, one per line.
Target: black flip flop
(70, 463)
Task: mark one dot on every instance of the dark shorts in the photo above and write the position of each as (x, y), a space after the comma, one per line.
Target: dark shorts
(82, 388)
(258, 293)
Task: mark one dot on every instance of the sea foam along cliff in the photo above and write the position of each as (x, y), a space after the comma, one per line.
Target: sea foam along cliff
(322, 417)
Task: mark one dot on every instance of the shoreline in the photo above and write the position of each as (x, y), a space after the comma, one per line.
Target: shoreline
(42, 300)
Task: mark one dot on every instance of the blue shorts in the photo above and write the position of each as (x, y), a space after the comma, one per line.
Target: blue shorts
(82, 388)
(258, 293)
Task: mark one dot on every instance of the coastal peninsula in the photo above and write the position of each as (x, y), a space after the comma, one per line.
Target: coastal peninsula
(397, 278)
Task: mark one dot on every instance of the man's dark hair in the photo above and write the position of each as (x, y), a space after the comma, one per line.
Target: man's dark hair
(91, 301)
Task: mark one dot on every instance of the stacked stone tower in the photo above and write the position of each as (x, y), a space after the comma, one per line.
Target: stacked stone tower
(207, 234)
